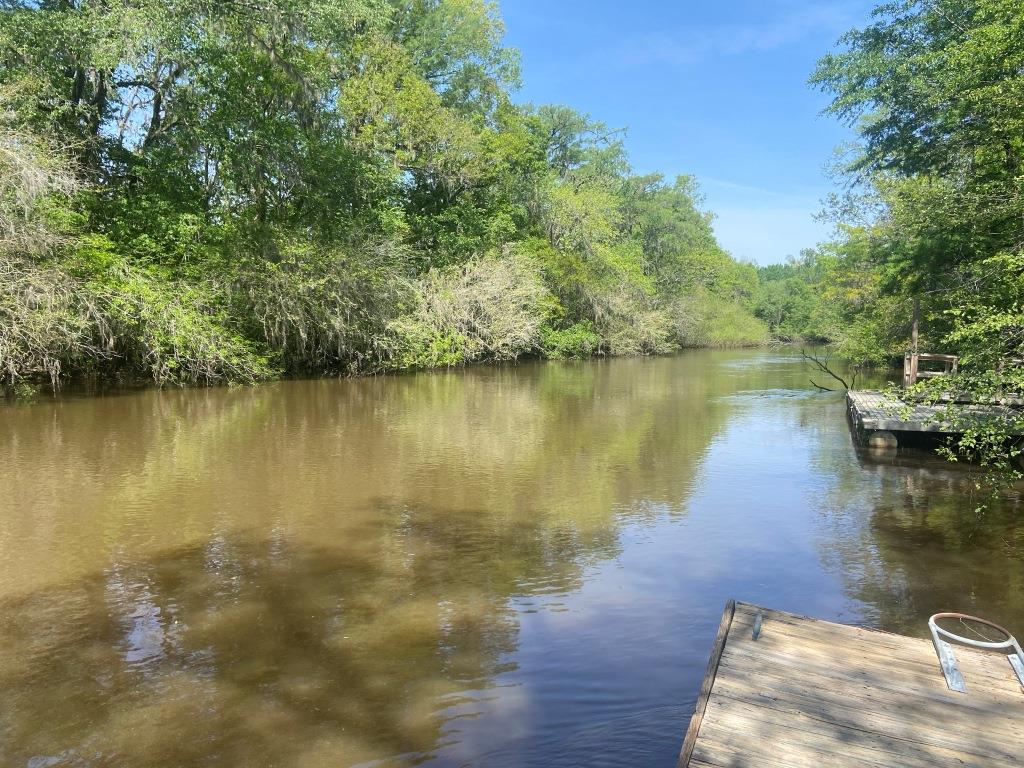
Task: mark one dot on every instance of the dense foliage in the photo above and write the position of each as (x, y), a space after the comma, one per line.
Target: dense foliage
(201, 191)
(936, 90)
(935, 209)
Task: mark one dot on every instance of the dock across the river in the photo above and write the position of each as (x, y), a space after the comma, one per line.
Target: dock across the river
(874, 412)
(813, 693)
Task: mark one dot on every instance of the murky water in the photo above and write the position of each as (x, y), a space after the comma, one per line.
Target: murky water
(518, 566)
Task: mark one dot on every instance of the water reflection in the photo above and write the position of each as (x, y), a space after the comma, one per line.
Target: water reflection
(923, 537)
(499, 566)
(310, 572)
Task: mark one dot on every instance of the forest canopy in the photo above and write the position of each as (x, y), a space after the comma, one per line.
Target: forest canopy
(226, 190)
(932, 218)
(933, 209)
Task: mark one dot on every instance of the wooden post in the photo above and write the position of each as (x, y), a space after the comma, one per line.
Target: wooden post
(913, 327)
(910, 361)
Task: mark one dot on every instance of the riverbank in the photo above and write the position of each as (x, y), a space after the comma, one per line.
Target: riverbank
(369, 216)
(126, 379)
(98, 317)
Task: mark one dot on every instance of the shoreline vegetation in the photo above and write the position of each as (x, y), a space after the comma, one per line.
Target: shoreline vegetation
(206, 192)
(219, 192)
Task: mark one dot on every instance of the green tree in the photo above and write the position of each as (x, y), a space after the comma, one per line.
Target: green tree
(326, 185)
(935, 89)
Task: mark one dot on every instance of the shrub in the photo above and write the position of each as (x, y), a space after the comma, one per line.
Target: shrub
(327, 309)
(489, 309)
(636, 327)
(46, 324)
(172, 331)
(577, 340)
(630, 321)
(703, 320)
(34, 179)
(100, 314)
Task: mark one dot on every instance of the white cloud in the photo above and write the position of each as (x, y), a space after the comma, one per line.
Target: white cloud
(733, 185)
(691, 44)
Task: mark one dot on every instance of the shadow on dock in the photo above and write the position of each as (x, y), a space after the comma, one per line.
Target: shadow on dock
(808, 692)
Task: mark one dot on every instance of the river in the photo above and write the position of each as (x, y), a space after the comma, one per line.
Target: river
(497, 566)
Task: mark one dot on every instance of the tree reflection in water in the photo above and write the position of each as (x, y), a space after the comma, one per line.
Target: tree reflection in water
(519, 566)
(312, 572)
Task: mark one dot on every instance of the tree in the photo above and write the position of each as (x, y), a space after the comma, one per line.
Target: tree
(301, 183)
(935, 89)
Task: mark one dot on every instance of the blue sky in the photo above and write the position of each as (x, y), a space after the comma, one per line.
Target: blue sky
(713, 89)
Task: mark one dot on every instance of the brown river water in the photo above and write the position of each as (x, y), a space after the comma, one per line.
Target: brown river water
(497, 566)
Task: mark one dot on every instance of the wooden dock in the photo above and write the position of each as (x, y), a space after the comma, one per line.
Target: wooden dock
(811, 693)
(872, 411)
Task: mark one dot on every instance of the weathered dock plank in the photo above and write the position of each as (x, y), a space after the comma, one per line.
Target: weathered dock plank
(874, 411)
(808, 692)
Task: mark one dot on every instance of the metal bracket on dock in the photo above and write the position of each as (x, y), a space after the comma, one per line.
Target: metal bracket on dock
(947, 659)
